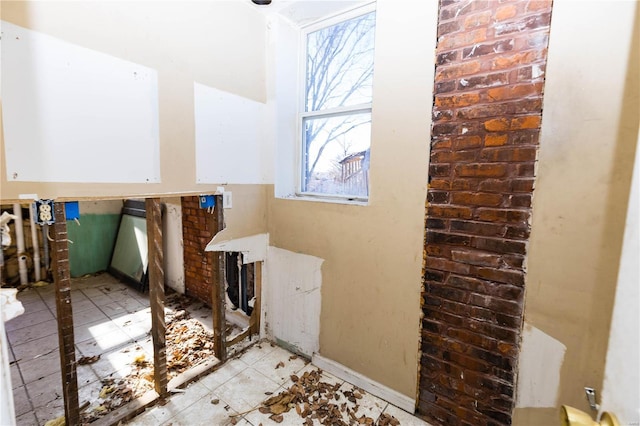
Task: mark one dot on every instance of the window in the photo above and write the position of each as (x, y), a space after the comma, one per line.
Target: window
(336, 117)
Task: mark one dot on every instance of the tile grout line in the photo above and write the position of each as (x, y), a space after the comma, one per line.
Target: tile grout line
(24, 385)
(115, 349)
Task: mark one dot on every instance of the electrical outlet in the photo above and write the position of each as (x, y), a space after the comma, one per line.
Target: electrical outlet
(227, 200)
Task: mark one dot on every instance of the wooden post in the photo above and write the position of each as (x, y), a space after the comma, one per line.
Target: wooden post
(217, 288)
(156, 294)
(62, 279)
(254, 320)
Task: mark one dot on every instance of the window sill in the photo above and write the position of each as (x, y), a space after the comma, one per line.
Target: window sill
(325, 199)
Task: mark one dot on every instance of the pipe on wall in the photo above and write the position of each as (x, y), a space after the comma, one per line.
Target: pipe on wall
(45, 244)
(36, 246)
(22, 258)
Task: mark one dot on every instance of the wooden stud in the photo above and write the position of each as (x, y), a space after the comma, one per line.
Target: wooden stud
(156, 294)
(218, 299)
(254, 321)
(64, 314)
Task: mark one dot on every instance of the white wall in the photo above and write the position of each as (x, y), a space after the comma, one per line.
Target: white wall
(282, 96)
(541, 357)
(621, 391)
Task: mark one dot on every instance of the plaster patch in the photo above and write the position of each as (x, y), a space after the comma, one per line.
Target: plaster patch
(541, 357)
(291, 299)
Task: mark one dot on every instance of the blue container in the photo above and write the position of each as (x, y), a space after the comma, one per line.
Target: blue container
(72, 210)
(207, 201)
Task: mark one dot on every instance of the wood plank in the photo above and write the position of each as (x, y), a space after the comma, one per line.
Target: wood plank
(156, 294)
(64, 314)
(240, 337)
(254, 321)
(218, 299)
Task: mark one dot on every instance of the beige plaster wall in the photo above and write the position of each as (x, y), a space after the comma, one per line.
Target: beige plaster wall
(588, 140)
(219, 44)
(371, 274)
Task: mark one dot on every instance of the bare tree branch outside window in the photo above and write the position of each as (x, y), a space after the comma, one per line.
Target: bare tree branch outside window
(339, 75)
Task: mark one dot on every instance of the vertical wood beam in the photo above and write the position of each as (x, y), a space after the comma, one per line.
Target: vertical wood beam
(62, 280)
(254, 320)
(217, 286)
(156, 294)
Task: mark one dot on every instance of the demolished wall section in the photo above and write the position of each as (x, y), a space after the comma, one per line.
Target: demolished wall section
(197, 231)
(490, 68)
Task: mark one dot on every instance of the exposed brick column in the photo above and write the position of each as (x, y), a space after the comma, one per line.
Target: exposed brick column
(490, 66)
(198, 228)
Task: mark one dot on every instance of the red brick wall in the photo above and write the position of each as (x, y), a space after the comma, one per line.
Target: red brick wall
(490, 64)
(197, 231)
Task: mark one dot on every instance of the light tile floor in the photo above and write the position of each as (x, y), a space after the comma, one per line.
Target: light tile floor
(110, 318)
(242, 384)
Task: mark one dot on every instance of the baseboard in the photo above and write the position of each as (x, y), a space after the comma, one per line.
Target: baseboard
(374, 388)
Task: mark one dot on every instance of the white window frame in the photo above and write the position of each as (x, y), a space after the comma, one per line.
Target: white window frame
(327, 113)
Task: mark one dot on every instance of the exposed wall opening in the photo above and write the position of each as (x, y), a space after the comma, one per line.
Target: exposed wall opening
(240, 283)
(490, 69)
(203, 268)
(120, 344)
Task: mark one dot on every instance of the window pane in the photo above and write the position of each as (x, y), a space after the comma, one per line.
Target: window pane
(336, 155)
(340, 64)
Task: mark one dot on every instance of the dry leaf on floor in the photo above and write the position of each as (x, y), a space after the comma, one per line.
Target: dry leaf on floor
(314, 399)
(387, 420)
(85, 360)
(278, 418)
(280, 364)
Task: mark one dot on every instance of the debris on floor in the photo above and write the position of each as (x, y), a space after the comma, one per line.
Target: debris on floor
(312, 399)
(188, 342)
(85, 360)
(58, 421)
(117, 392)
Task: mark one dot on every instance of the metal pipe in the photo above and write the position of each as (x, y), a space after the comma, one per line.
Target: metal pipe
(1, 264)
(22, 258)
(36, 245)
(45, 245)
